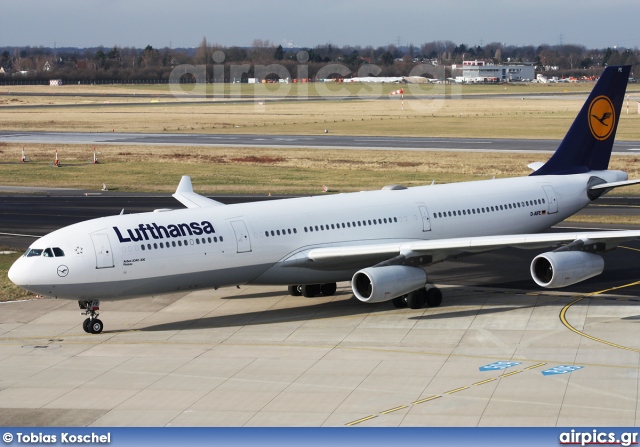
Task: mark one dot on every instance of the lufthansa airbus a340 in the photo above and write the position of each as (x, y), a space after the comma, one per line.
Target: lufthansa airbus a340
(379, 240)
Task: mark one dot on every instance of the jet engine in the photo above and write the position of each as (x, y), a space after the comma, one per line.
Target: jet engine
(378, 284)
(561, 269)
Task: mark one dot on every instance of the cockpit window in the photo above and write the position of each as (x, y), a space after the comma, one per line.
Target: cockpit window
(47, 252)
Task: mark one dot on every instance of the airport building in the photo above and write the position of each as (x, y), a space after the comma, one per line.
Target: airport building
(481, 71)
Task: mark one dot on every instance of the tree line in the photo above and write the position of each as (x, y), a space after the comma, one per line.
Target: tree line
(122, 64)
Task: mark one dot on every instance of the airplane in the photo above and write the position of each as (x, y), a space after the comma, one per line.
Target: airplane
(380, 240)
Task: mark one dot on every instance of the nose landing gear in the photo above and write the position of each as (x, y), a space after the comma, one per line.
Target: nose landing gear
(91, 325)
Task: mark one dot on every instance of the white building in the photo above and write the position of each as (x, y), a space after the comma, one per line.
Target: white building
(480, 71)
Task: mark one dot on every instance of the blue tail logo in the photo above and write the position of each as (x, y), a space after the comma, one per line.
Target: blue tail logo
(588, 144)
(602, 118)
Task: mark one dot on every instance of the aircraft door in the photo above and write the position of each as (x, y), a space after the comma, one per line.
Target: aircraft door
(552, 200)
(242, 236)
(104, 254)
(426, 223)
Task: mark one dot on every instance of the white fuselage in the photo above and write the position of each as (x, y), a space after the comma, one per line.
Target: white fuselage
(260, 243)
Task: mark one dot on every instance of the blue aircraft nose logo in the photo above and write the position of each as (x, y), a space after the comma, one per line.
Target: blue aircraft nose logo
(63, 271)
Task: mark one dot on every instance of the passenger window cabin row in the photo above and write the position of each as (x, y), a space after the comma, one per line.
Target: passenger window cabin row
(180, 243)
(352, 224)
(336, 226)
(489, 209)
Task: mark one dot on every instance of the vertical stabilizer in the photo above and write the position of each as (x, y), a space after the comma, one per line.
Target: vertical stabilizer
(588, 144)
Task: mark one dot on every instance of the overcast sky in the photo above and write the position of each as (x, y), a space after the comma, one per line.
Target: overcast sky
(183, 23)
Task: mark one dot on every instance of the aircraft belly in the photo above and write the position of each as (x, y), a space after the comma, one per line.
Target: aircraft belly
(278, 275)
(130, 288)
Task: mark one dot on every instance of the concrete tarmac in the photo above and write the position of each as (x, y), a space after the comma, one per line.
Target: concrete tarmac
(347, 142)
(255, 356)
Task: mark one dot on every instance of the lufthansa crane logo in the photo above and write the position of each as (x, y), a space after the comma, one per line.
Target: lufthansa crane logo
(602, 118)
(63, 271)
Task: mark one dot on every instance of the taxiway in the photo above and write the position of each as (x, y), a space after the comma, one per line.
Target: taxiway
(255, 356)
(301, 141)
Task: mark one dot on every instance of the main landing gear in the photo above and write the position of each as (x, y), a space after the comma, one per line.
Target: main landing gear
(91, 325)
(313, 290)
(418, 298)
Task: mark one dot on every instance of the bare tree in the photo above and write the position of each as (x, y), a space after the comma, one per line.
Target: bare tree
(262, 51)
(203, 53)
(150, 57)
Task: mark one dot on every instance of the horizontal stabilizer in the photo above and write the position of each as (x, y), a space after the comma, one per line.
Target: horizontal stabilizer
(535, 165)
(185, 195)
(613, 185)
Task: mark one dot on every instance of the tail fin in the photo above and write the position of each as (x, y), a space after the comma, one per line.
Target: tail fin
(588, 144)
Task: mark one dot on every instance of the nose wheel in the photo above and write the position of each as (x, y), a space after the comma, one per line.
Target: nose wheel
(92, 325)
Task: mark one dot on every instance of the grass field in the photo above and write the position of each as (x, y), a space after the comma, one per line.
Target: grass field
(467, 118)
(260, 170)
(292, 170)
(310, 89)
(481, 111)
(600, 219)
(9, 291)
(243, 170)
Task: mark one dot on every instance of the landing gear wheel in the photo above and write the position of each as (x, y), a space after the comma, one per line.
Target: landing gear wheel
(417, 298)
(91, 325)
(434, 297)
(311, 290)
(96, 326)
(295, 290)
(328, 289)
(400, 302)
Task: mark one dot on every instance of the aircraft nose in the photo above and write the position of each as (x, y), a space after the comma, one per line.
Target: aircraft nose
(19, 274)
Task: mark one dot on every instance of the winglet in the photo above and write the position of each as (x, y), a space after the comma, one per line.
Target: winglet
(185, 195)
(588, 144)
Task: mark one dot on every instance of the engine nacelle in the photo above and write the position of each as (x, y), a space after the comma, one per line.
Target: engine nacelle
(564, 268)
(378, 284)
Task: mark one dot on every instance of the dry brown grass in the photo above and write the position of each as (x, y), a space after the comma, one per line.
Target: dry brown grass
(473, 118)
(261, 170)
(289, 170)
(602, 219)
(8, 290)
(310, 89)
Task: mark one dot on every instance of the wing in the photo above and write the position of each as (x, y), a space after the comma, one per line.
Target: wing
(421, 253)
(185, 195)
